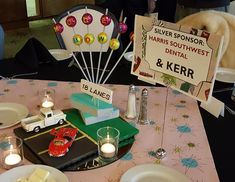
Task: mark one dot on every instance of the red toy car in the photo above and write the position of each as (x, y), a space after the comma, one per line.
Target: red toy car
(59, 146)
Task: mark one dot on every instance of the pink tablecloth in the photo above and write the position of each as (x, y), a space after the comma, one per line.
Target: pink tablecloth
(180, 129)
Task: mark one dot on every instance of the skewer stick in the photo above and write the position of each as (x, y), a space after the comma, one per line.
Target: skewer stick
(102, 74)
(84, 61)
(74, 57)
(54, 20)
(99, 61)
(110, 55)
(117, 62)
(91, 60)
(83, 58)
(100, 54)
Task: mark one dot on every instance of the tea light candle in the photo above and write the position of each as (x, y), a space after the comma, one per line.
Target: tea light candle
(108, 150)
(12, 159)
(47, 104)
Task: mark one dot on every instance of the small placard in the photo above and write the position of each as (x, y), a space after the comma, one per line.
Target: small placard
(96, 91)
(214, 106)
(183, 58)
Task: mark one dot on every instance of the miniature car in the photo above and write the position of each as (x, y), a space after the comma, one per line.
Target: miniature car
(63, 140)
(47, 117)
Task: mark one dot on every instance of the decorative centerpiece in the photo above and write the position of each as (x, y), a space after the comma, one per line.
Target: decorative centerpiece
(70, 25)
(95, 102)
(92, 105)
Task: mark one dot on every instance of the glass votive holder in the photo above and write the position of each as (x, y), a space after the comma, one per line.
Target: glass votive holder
(47, 98)
(11, 152)
(108, 139)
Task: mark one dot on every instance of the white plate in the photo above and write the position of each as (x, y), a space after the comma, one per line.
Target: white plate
(24, 171)
(11, 114)
(60, 54)
(225, 75)
(153, 173)
(129, 56)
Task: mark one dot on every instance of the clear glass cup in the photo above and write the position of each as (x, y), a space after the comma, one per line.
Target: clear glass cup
(108, 139)
(11, 152)
(47, 98)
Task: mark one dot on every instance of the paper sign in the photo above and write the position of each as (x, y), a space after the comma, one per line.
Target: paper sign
(181, 57)
(96, 91)
(177, 50)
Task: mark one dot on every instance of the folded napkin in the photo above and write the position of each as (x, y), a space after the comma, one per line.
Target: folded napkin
(220, 23)
(34, 53)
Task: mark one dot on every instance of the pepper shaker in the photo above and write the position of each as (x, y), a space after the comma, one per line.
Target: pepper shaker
(143, 108)
(131, 112)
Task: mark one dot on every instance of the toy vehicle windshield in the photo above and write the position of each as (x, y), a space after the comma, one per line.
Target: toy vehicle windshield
(58, 142)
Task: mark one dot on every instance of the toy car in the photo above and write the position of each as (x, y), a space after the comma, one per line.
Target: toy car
(60, 145)
(47, 117)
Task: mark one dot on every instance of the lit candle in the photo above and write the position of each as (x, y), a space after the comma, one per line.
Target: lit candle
(12, 159)
(108, 150)
(47, 104)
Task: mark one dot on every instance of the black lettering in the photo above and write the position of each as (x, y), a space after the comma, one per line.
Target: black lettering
(159, 63)
(176, 68)
(168, 65)
(84, 86)
(183, 71)
(190, 73)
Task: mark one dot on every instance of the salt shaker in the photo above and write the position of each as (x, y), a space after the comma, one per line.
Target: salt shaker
(131, 103)
(143, 108)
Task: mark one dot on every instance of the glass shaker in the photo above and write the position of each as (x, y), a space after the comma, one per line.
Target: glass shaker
(131, 112)
(143, 118)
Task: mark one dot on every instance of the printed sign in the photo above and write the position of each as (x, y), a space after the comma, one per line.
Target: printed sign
(96, 91)
(180, 57)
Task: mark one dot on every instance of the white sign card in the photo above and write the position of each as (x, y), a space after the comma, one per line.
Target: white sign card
(97, 91)
(183, 58)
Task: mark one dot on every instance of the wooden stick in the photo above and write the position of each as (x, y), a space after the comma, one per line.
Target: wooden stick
(84, 61)
(117, 62)
(91, 60)
(54, 20)
(100, 54)
(83, 58)
(109, 57)
(79, 65)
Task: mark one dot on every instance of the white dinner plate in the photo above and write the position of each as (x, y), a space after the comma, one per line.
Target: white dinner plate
(225, 75)
(153, 173)
(11, 114)
(16, 173)
(129, 56)
(60, 54)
